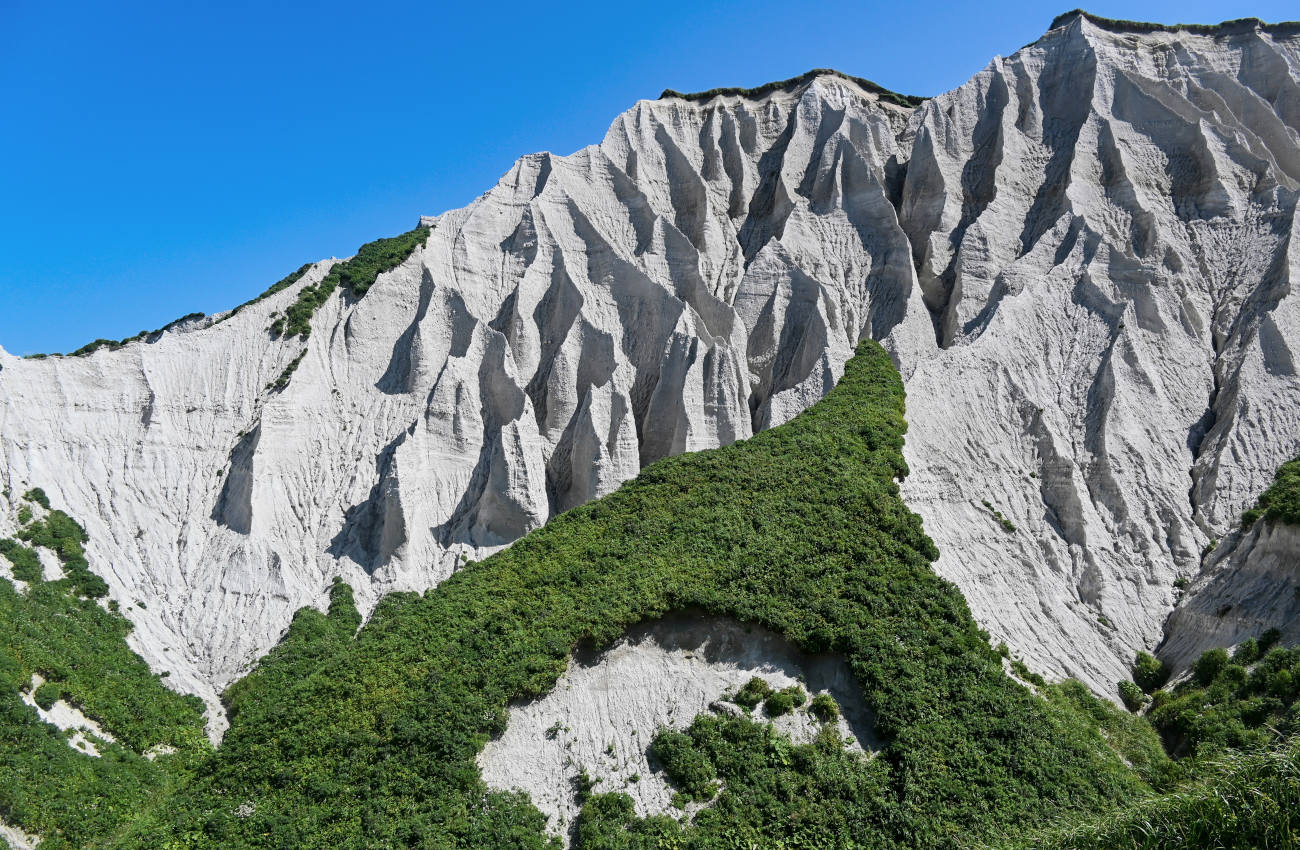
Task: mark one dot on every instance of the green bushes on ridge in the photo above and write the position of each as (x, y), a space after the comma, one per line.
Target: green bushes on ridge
(356, 276)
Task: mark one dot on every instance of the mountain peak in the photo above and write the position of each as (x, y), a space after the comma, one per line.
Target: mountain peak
(906, 101)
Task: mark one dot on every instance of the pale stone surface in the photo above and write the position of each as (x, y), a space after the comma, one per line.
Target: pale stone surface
(17, 839)
(607, 707)
(1081, 260)
(1251, 584)
(68, 717)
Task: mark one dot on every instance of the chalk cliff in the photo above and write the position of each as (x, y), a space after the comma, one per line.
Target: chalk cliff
(1081, 260)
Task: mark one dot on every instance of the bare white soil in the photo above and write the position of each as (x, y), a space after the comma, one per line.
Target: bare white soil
(606, 709)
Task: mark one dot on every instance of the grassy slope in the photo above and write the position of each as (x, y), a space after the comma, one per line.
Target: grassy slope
(46, 787)
(371, 742)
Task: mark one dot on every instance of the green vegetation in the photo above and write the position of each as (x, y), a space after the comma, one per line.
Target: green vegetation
(46, 787)
(279, 286)
(371, 741)
(823, 707)
(753, 692)
(1232, 702)
(906, 101)
(1281, 501)
(356, 276)
(1149, 673)
(37, 496)
(1003, 521)
(784, 701)
(115, 344)
(27, 566)
(64, 536)
(283, 380)
(1132, 696)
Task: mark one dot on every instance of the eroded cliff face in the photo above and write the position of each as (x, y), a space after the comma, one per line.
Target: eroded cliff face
(1081, 261)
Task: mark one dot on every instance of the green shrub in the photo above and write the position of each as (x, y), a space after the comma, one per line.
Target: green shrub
(823, 707)
(1281, 501)
(356, 276)
(48, 694)
(784, 701)
(47, 787)
(1247, 652)
(26, 564)
(369, 738)
(752, 693)
(687, 766)
(37, 496)
(1149, 672)
(1209, 665)
(1132, 695)
(778, 704)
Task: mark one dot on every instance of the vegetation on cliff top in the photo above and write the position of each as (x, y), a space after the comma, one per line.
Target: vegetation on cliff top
(355, 275)
(906, 101)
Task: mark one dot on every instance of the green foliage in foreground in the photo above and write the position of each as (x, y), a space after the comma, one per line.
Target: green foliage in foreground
(1281, 501)
(1240, 801)
(46, 787)
(1231, 702)
(356, 276)
(371, 742)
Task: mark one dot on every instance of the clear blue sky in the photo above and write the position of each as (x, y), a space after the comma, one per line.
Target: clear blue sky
(164, 158)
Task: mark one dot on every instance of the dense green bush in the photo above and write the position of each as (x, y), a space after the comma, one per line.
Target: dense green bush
(48, 694)
(26, 564)
(1281, 501)
(823, 707)
(356, 276)
(64, 536)
(1239, 801)
(1228, 704)
(1149, 672)
(784, 701)
(1132, 696)
(1209, 665)
(371, 741)
(752, 693)
(685, 765)
(37, 496)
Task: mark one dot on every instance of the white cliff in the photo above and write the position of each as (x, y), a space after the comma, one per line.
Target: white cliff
(1081, 261)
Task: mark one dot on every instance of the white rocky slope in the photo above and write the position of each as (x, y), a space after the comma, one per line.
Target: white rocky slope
(1081, 260)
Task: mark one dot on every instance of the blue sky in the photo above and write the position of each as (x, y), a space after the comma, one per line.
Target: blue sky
(165, 158)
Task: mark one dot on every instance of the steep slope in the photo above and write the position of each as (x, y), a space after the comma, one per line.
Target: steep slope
(1103, 227)
(586, 316)
(369, 739)
(1081, 261)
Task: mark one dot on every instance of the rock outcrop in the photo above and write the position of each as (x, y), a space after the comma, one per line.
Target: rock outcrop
(1081, 261)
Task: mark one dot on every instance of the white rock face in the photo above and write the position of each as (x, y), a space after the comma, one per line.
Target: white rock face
(1103, 230)
(1251, 584)
(606, 709)
(1081, 260)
